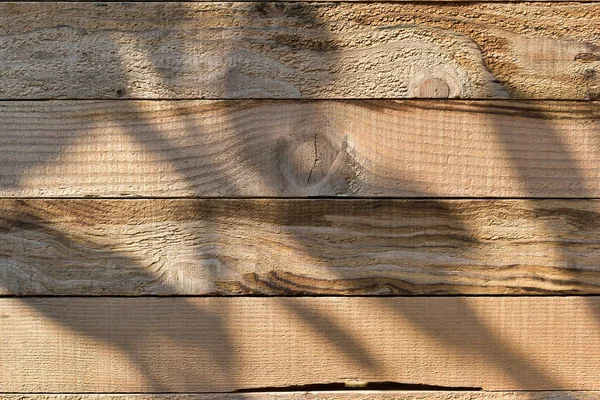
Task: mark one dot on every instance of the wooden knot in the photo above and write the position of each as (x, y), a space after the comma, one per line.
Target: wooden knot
(311, 161)
(586, 57)
(434, 88)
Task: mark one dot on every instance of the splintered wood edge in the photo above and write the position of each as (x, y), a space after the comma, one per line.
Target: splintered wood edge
(448, 394)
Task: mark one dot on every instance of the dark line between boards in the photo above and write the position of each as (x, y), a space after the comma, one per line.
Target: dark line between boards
(302, 99)
(307, 198)
(339, 296)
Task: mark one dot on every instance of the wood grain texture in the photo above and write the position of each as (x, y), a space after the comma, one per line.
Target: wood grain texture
(276, 247)
(225, 344)
(298, 148)
(326, 395)
(291, 50)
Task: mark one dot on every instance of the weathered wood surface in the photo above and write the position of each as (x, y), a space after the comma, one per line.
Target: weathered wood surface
(274, 247)
(291, 50)
(326, 395)
(300, 148)
(224, 344)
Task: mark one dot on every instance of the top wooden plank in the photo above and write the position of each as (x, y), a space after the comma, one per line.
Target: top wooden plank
(294, 50)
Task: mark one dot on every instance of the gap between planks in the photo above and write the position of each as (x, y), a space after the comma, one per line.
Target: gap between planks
(296, 99)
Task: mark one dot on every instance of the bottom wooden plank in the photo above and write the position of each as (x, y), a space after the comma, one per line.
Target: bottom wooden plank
(225, 344)
(326, 395)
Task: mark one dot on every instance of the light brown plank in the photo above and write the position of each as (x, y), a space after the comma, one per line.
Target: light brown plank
(291, 50)
(300, 148)
(224, 344)
(273, 247)
(326, 395)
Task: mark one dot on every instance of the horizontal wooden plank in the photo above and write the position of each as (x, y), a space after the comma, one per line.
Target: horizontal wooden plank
(225, 344)
(274, 247)
(300, 148)
(292, 50)
(326, 395)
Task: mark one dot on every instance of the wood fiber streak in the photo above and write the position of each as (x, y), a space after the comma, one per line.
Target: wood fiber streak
(298, 148)
(326, 395)
(295, 247)
(224, 344)
(293, 50)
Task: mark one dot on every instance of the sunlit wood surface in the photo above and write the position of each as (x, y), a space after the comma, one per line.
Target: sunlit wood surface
(293, 50)
(281, 200)
(299, 247)
(421, 148)
(221, 344)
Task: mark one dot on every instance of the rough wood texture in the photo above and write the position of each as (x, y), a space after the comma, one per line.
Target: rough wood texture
(133, 247)
(290, 50)
(325, 395)
(300, 148)
(224, 344)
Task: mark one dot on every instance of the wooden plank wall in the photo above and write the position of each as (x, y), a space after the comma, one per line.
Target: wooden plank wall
(299, 200)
